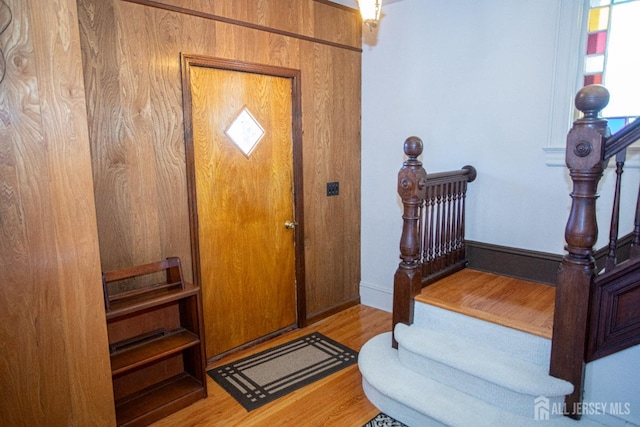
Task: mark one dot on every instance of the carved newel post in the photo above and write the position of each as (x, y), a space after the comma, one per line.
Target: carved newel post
(584, 157)
(407, 283)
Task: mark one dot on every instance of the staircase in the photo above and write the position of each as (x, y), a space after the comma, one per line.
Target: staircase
(456, 369)
(446, 367)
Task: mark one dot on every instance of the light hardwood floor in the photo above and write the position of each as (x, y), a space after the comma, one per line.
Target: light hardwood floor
(518, 304)
(337, 400)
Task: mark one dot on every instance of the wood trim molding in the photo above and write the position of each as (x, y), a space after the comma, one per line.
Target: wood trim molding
(315, 317)
(523, 264)
(218, 18)
(338, 6)
(531, 265)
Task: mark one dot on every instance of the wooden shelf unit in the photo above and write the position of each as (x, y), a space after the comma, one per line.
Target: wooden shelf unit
(156, 343)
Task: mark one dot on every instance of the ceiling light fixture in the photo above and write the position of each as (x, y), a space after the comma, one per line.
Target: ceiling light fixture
(370, 12)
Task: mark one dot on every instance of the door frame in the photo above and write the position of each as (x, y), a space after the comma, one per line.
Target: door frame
(194, 60)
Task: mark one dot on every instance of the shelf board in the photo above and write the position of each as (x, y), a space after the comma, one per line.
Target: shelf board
(133, 305)
(159, 400)
(156, 349)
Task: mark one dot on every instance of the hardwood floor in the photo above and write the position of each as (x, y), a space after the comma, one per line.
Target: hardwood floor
(518, 304)
(337, 400)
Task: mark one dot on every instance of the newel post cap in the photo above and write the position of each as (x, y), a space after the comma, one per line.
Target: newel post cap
(413, 147)
(591, 100)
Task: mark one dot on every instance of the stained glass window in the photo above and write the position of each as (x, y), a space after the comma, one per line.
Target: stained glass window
(613, 40)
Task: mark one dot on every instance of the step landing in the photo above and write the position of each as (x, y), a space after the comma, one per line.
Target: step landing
(519, 304)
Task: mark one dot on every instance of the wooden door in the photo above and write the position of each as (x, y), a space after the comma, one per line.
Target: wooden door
(244, 204)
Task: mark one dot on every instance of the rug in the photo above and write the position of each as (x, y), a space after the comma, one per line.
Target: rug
(384, 420)
(263, 377)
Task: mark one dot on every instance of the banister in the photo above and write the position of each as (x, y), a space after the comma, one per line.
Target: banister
(622, 139)
(468, 171)
(584, 157)
(589, 148)
(432, 240)
(407, 281)
(443, 224)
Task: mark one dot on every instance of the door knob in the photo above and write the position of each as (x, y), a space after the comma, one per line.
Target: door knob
(290, 225)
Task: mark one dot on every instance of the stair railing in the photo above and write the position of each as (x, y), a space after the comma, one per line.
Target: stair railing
(432, 244)
(443, 224)
(589, 149)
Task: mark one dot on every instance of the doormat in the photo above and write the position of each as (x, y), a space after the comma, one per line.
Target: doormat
(384, 420)
(263, 377)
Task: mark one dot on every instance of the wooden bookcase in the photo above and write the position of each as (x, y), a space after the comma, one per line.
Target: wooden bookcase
(155, 342)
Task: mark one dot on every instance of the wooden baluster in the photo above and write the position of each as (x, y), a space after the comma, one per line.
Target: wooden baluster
(407, 282)
(438, 234)
(611, 260)
(635, 245)
(458, 220)
(584, 156)
(432, 228)
(428, 232)
(421, 225)
(472, 175)
(461, 208)
(448, 226)
(455, 223)
(458, 202)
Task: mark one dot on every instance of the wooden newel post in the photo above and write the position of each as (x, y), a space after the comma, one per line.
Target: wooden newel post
(407, 282)
(584, 157)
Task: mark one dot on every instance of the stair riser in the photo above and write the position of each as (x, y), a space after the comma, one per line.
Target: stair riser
(518, 344)
(505, 399)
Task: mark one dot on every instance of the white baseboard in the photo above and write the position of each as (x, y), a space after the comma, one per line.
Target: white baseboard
(375, 296)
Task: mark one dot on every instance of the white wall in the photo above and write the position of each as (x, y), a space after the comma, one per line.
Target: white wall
(612, 389)
(477, 81)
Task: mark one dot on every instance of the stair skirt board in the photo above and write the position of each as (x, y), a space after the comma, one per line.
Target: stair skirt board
(493, 376)
(417, 400)
(524, 346)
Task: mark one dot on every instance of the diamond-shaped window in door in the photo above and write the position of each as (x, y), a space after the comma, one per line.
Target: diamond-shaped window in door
(245, 131)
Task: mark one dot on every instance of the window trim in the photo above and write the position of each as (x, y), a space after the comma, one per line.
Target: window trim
(571, 39)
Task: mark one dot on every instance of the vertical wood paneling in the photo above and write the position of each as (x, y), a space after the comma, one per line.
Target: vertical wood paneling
(145, 134)
(54, 368)
(337, 24)
(332, 237)
(138, 142)
(104, 111)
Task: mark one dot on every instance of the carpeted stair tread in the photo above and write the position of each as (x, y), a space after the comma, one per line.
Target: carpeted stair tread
(518, 344)
(391, 386)
(480, 361)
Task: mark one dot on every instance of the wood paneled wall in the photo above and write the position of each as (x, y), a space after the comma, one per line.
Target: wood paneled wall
(131, 52)
(54, 362)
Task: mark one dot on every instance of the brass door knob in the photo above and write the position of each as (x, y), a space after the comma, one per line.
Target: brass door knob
(290, 225)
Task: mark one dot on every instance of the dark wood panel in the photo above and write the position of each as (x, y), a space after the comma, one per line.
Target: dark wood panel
(615, 311)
